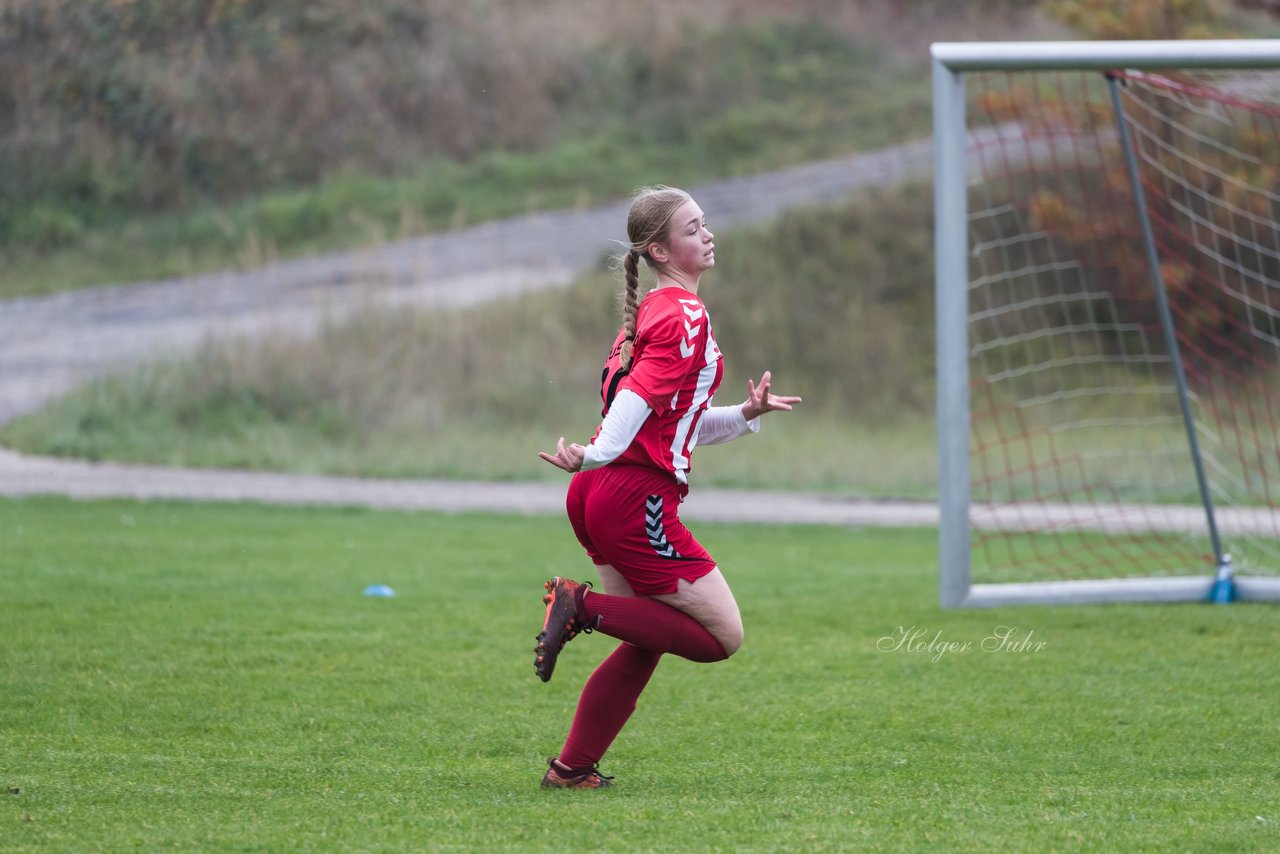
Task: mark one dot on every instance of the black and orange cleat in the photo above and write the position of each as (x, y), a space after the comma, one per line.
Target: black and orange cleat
(561, 777)
(560, 625)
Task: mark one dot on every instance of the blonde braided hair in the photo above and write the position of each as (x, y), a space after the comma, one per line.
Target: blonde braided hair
(648, 221)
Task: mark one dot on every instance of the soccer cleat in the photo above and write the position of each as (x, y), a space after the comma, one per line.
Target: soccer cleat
(560, 625)
(560, 777)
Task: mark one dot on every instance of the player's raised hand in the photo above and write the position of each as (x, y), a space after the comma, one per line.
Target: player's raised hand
(761, 399)
(567, 457)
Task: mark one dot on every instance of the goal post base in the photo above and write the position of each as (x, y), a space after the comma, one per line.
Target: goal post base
(1257, 589)
(1093, 592)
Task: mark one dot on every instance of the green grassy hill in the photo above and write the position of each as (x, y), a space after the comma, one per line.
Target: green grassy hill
(551, 111)
(142, 139)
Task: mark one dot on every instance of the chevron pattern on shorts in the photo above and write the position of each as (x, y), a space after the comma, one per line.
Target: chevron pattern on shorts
(653, 527)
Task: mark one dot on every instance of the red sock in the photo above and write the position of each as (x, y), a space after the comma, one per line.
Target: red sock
(651, 625)
(607, 702)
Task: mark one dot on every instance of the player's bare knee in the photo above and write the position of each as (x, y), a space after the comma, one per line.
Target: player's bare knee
(729, 633)
(731, 640)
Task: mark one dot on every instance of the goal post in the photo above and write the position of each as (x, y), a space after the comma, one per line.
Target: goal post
(1107, 320)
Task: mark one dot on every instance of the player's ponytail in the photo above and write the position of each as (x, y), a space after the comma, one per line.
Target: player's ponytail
(630, 304)
(648, 220)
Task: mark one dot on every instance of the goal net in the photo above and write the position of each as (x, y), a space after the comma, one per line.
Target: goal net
(1113, 431)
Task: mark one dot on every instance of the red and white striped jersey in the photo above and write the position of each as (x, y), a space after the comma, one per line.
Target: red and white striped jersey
(676, 367)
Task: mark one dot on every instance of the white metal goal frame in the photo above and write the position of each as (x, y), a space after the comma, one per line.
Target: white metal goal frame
(951, 62)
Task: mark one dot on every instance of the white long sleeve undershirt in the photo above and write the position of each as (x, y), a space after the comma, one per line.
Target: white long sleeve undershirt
(719, 424)
(722, 424)
(620, 426)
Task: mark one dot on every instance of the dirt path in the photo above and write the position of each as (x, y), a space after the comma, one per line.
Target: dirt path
(21, 475)
(50, 344)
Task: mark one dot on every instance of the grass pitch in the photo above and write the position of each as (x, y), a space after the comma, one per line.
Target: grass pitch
(210, 677)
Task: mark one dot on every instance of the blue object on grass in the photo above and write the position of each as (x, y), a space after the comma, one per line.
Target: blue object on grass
(379, 590)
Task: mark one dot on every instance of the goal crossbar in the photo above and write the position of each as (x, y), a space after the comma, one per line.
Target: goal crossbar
(957, 57)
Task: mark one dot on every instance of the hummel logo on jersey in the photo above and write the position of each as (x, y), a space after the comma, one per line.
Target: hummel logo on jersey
(692, 315)
(653, 527)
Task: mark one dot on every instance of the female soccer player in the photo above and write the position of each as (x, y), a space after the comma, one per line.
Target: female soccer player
(662, 590)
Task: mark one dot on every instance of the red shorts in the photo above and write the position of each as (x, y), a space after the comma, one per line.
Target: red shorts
(628, 517)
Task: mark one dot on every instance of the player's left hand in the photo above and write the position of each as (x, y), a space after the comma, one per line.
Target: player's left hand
(567, 457)
(760, 399)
